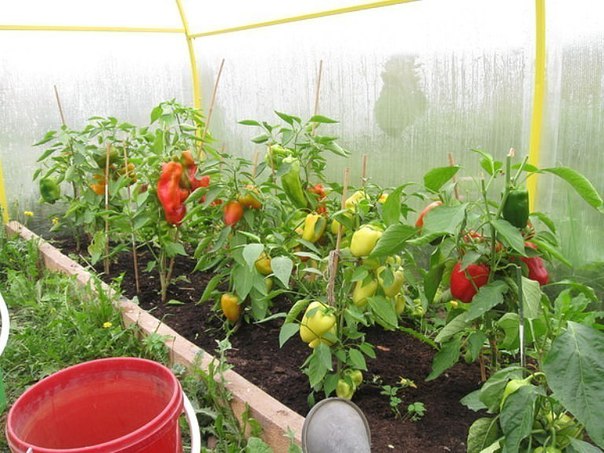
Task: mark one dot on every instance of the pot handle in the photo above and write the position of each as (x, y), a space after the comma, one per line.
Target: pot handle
(193, 425)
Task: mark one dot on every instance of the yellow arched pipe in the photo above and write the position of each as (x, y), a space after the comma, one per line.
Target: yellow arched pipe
(3, 202)
(538, 98)
(192, 58)
(89, 28)
(317, 15)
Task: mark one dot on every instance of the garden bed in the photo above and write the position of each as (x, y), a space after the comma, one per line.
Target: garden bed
(256, 356)
(275, 418)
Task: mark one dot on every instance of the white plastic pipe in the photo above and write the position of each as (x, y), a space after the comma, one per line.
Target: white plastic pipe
(5, 324)
(193, 425)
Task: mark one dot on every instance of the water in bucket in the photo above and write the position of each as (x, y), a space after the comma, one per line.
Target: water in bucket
(121, 405)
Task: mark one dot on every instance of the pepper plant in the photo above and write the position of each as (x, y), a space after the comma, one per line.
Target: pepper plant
(364, 287)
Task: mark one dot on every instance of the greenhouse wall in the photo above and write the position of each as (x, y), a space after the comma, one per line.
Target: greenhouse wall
(409, 84)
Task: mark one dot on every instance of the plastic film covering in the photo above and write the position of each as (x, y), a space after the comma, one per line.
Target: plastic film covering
(234, 13)
(115, 13)
(106, 74)
(409, 83)
(574, 122)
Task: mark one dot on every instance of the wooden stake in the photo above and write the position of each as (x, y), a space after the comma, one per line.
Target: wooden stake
(318, 88)
(364, 170)
(210, 109)
(74, 188)
(455, 188)
(106, 259)
(255, 164)
(133, 240)
(60, 106)
(334, 255)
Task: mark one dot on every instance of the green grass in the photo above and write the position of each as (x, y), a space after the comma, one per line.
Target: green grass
(56, 323)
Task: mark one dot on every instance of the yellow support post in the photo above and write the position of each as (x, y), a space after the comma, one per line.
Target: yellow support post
(538, 98)
(192, 58)
(3, 202)
(317, 15)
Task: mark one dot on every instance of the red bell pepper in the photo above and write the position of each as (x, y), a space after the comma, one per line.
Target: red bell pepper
(233, 211)
(191, 167)
(170, 193)
(465, 283)
(536, 268)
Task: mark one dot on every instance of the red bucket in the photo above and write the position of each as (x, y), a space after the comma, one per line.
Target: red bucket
(107, 405)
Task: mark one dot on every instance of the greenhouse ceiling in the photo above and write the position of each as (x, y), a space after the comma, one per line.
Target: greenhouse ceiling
(527, 51)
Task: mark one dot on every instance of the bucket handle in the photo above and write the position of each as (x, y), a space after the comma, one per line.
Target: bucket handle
(193, 425)
(5, 324)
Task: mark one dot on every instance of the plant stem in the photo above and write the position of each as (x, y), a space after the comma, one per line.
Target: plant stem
(170, 269)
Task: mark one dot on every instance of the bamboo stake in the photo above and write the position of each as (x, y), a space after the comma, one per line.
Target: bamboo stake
(134, 254)
(334, 255)
(455, 188)
(255, 165)
(106, 259)
(317, 94)
(210, 109)
(364, 170)
(318, 88)
(73, 185)
(60, 106)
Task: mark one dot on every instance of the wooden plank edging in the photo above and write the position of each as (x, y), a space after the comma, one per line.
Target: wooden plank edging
(276, 418)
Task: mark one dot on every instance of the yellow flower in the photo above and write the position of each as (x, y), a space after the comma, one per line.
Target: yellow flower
(55, 220)
(28, 213)
(107, 325)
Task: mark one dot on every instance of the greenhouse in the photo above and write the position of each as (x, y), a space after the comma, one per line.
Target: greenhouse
(318, 226)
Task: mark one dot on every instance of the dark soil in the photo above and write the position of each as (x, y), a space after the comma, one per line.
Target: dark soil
(256, 356)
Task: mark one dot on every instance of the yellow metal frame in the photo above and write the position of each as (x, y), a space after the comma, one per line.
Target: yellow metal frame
(317, 15)
(3, 202)
(192, 57)
(539, 81)
(538, 98)
(90, 28)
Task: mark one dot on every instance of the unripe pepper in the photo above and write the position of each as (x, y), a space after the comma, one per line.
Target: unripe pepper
(292, 184)
(516, 207)
(396, 285)
(361, 292)
(317, 322)
(171, 195)
(99, 186)
(249, 198)
(464, 288)
(536, 268)
(314, 227)
(275, 155)
(344, 389)
(512, 386)
(50, 190)
(353, 200)
(229, 303)
(364, 240)
(233, 211)
(129, 171)
(263, 265)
